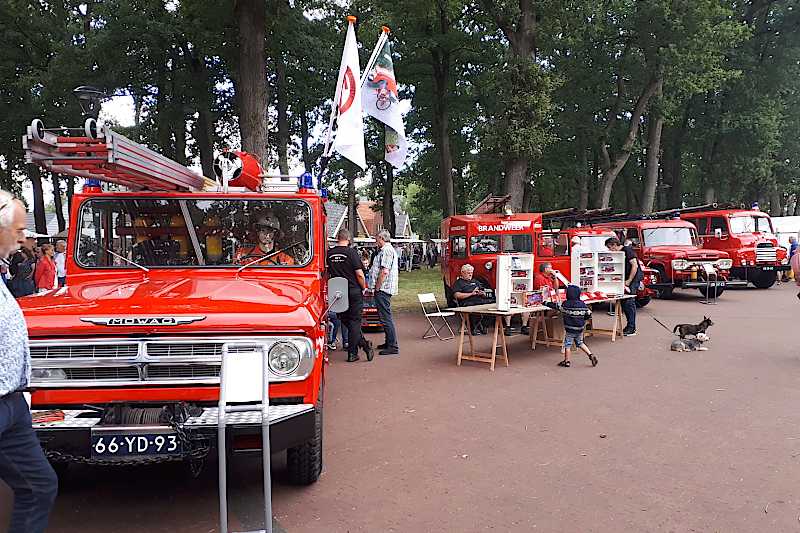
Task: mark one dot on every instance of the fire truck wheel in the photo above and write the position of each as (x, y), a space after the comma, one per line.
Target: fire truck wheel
(304, 462)
(666, 293)
(642, 302)
(764, 279)
(710, 292)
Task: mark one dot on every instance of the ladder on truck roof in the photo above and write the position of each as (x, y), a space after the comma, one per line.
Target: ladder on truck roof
(105, 155)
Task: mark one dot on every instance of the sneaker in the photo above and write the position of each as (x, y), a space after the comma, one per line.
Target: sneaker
(331, 345)
(381, 346)
(629, 333)
(352, 358)
(345, 346)
(525, 330)
(508, 332)
(390, 351)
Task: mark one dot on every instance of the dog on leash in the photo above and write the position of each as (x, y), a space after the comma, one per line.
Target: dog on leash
(690, 345)
(692, 329)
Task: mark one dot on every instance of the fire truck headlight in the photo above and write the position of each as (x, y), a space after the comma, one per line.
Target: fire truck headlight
(284, 358)
(679, 264)
(725, 264)
(48, 374)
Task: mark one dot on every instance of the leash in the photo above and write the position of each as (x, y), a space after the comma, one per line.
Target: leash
(660, 323)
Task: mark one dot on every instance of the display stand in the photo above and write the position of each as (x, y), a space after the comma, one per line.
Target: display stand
(514, 280)
(599, 272)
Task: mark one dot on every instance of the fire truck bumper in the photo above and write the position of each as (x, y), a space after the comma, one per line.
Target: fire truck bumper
(76, 434)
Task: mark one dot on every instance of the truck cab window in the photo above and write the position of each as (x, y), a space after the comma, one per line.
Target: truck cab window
(458, 246)
(522, 243)
(170, 232)
(702, 225)
(633, 235)
(484, 244)
(718, 223)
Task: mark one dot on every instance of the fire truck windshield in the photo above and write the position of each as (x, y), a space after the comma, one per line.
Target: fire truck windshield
(750, 224)
(594, 243)
(204, 232)
(668, 236)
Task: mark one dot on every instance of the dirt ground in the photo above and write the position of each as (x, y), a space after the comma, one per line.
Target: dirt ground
(649, 440)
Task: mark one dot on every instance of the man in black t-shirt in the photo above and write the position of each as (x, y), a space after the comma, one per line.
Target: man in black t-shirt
(345, 262)
(469, 291)
(633, 277)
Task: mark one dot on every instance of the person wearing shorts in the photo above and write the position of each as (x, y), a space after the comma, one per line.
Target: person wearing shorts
(574, 313)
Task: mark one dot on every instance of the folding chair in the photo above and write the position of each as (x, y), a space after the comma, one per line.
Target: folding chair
(244, 379)
(430, 298)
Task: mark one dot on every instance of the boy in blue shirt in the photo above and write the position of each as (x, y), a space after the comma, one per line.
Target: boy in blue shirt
(574, 313)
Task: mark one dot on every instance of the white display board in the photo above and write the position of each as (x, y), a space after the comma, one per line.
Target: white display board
(599, 271)
(514, 279)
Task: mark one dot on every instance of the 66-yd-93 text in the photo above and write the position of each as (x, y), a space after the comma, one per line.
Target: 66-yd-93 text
(135, 445)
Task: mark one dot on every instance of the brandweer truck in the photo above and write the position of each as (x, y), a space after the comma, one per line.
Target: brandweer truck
(477, 239)
(747, 236)
(164, 275)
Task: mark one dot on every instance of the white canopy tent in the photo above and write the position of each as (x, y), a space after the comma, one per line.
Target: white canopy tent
(786, 227)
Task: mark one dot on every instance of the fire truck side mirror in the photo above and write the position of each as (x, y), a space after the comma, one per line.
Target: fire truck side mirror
(717, 233)
(338, 301)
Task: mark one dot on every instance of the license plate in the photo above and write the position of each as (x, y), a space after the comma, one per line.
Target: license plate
(122, 443)
(768, 268)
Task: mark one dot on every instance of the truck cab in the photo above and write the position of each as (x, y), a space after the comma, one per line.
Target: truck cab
(748, 237)
(671, 246)
(162, 281)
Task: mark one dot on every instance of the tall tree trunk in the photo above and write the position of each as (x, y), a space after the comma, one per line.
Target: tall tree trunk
(389, 221)
(441, 126)
(283, 114)
(654, 130)
(179, 131)
(35, 174)
(612, 167)
(775, 204)
(352, 214)
(203, 130)
(583, 173)
(304, 137)
(251, 86)
(70, 191)
(516, 173)
(62, 224)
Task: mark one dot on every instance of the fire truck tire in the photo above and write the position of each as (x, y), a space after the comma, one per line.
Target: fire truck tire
(642, 302)
(663, 294)
(710, 292)
(764, 279)
(304, 462)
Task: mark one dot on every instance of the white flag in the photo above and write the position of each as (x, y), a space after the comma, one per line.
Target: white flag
(380, 98)
(347, 102)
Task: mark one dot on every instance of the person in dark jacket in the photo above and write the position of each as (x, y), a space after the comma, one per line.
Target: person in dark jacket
(22, 267)
(575, 313)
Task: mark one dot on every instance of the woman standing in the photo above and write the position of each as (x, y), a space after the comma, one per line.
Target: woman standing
(45, 275)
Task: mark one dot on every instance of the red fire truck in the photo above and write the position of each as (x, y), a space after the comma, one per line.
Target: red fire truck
(746, 235)
(163, 277)
(671, 246)
(477, 239)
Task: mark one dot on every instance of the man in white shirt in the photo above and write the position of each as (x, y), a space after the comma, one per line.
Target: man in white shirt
(23, 466)
(384, 272)
(61, 262)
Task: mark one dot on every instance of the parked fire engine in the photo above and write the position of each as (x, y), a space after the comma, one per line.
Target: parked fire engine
(477, 239)
(746, 235)
(671, 246)
(163, 279)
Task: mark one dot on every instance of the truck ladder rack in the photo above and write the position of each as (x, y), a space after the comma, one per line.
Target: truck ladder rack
(106, 156)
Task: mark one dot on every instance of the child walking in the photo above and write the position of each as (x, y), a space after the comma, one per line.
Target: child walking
(575, 313)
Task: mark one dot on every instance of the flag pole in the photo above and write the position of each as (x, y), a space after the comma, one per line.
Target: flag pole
(374, 57)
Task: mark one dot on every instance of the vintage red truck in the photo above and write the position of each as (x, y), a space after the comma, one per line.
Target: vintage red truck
(671, 246)
(477, 239)
(747, 236)
(164, 277)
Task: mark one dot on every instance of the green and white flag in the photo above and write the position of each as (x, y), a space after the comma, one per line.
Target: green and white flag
(379, 99)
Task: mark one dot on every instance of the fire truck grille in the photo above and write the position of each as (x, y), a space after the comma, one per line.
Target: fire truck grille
(182, 371)
(185, 350)
(766, 254)
(109, 373)
(91, 351)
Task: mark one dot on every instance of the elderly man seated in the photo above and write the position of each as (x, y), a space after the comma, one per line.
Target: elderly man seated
(469, 291)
